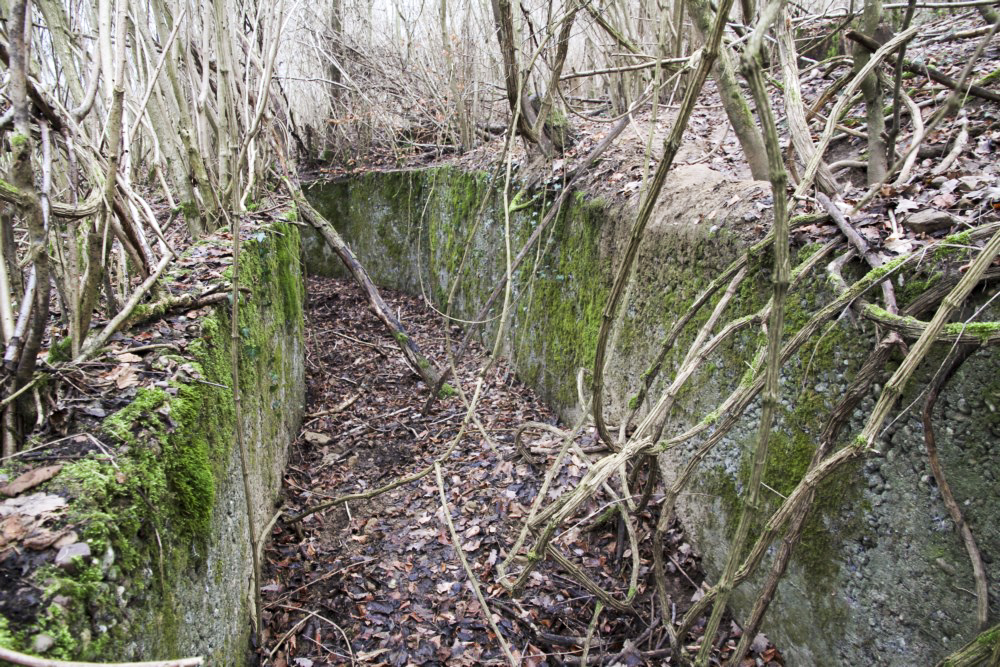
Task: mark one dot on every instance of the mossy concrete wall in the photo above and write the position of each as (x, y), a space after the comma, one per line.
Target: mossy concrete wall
(881, 577)
(164, 511)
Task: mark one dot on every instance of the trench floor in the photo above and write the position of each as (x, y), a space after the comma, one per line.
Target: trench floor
(379, 581)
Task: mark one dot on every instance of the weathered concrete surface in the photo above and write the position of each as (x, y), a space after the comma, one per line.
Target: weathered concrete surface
(166, 523)
(212, 602)
(881, 578)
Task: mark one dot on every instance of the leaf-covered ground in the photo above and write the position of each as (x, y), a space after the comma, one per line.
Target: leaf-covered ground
(378, 582)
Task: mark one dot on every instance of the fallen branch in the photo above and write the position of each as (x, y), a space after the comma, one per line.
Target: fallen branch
(960, 142)
(954, 509)
(12, 195)
(456, 546)
(873, 259)
(795, 112)
(929, 72)
(340, 408)
(92, 345)
(915, 140)
(982, 333)
(983, 650)
(414, 358)
(16, 658)
(170, 303)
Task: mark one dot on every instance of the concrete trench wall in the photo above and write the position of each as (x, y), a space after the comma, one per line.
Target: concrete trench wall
(882, 577)
(170, 572)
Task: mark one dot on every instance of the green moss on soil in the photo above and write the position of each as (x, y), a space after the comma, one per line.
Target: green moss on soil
(145, 505)
(61, 350)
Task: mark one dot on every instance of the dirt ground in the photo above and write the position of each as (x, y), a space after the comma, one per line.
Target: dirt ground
(379, 581)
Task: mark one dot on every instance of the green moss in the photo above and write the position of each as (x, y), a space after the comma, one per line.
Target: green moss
(990, 637)
(189, 470)
(882, 313)
(17, 140)
(189, 209)
(790, 452)
(711, 417)
(69, 622)
(7, 638)
(960, 238)
(886, 268)
(146, 500)
(519, 203)
(982, 330)
(167, 464)
(447, 391)
(123, 424)
(917, 284)
(807, 251)
(956, 247)
(990, 78)
(61, 350)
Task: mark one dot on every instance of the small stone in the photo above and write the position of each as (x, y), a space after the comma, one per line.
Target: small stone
(317, 438)
(42, 643)
(69, 538)
(108, 559)
(95, 409)
(64, 558)
(931, 220)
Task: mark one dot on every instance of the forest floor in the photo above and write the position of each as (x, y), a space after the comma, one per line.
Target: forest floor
(941, 194)
(378, 582)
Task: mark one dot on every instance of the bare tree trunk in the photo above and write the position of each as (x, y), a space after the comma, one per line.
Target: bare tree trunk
(557, 133)
(465, 133)
(223, 101)
(798, 128)
(504, 20)
(22, 177)
(871, 17)
(733, 101)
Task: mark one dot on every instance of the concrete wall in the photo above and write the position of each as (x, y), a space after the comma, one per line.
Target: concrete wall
(170, 569)
(881, 577)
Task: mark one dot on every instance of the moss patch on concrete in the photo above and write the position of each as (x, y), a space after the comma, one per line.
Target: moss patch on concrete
(441, 232)
(156, 505)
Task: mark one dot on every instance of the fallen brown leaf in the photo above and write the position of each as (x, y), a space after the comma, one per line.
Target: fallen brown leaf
(30, 480)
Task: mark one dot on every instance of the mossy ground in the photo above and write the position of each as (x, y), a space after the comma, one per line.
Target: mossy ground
(147, 504)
